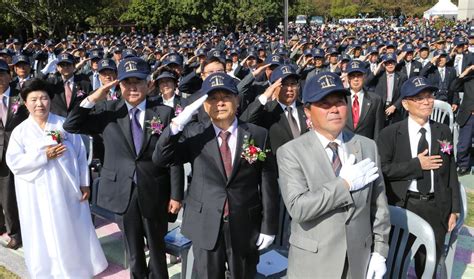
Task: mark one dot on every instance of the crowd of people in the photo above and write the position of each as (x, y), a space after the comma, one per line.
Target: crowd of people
(299, 145)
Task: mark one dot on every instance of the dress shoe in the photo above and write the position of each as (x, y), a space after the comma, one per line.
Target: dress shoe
(13, 244)
(464, 171)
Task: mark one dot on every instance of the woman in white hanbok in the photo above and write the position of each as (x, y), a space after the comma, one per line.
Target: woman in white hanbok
(51, 180)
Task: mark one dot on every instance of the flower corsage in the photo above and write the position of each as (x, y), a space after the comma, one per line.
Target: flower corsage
(155, 126)
(446, 146)
(252, 153)
(56, 135)
(16, 103)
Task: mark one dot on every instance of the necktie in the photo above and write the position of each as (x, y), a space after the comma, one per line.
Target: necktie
(408, 67)
(336, 161)
(389, 87)
(295, 131)
(227, 160)
(3, 109)
(137, 131)
(355, 110)
(21, 83)
(441, 73)
(423, 184)
(68, 93)
(96, 81)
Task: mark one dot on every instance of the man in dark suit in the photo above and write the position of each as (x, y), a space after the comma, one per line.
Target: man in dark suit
(130, 184)
(418, 165)
(408, 65)
(22, 68)
(442, 76)
(367, 117)
(387, 83)
(460, 59)
(231, 207)
(279, 111)
(12, 113)
(465, 119)
(69, 89)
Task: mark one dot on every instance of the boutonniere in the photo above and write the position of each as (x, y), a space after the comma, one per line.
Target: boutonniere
(56, 135)
(446, 146)
(155, 126)
(252, 153)
(80, 93)
(178, 110)
(113, 96)
(16, 103)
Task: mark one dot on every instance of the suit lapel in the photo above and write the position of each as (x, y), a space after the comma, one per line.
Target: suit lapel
(283, 119)
(365, 107)
(302, 118)
(149, 114)
(212, 148)
(352, 146)
(350, 120)
(404, 140)
(124, 122)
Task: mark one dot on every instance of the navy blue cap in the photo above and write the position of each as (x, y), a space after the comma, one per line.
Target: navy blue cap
(96, 54)
(127, 53)
(321, 85)
(166, 74)
(219, 81)
(424, 46)
(356, 66)
(283, 71)
(105, 64)
(415, 85)
(234, 51)
(308, 51)
(459, 41)
(471, 35)
(4, 66)
(440, 52)
(274, 59)
(333, 50)
(389, 57)
(21, 59)
(65, 58)
(346, 57)
(372, 50)
(201, 52)
(391, 44)
(174, 58)
(318, 53)
(133, 67)
(408, 48)
(252, 54)
(214, 55)
(281, 51)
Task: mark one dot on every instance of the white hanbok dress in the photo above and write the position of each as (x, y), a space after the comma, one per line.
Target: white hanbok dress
(59, 239)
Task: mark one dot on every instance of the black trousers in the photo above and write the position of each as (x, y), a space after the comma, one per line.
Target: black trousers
(464, 144)
(431, 214)
(135, 228)
(211, 264)
(8, 204)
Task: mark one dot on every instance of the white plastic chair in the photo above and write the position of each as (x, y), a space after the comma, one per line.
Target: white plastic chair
(447, 259)
(404, 223)
(440, 111)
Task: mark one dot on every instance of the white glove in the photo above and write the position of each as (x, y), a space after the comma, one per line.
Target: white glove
(185, 116)
(377, 267)
(360, 174)
(264, 241)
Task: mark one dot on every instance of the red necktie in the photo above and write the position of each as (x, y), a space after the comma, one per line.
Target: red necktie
(227, 160)
(355, 110)
(67, 93)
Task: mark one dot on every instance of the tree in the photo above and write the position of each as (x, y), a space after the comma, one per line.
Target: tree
(148, 13)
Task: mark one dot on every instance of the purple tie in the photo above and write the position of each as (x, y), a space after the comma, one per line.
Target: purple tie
(137, 131)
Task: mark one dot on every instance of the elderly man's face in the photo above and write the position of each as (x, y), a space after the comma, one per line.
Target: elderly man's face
(419, 106)
(107, 75)
(134, 90)
(221, 105)
(289, 91)
(356, 81)
(329, 115)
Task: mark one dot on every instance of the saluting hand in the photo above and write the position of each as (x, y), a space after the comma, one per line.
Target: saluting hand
(101, 93)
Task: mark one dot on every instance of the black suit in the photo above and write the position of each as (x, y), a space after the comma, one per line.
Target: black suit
(7, 184)
(378, 84)
(399, 169)
(415, 68)
(82, 88)
(272, 117)
(444, 92)
(371, 119)
(143, 204)
(251, 191)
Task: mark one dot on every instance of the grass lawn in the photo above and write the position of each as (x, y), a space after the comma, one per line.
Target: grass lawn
(6, 274)
(470, 210)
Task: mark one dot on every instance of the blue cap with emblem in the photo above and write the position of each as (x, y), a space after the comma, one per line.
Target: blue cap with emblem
(356, 66)
(21, 59)
(219, 81)
(65, 58)
(415, 85)
(107, 64)
(283, 71)
(321, 85)
(133, 67)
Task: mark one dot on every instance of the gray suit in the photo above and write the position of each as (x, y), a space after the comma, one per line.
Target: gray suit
(329, 222)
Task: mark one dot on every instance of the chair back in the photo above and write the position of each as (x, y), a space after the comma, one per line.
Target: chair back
(442, 109)
(404, 224)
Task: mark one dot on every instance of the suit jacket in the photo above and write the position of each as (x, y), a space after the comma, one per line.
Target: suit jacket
(329, 222)
(378, 84)
(14, 118)
(399, 168)
(272, 117)
(465, 85)
(415, 68)
(82, 88)
(467, 60)
(444, 93)
(372, 117)
(111, 119)
(249, 89)
(251, 190)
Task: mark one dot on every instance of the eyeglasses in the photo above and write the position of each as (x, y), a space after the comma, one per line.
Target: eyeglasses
(420, 99)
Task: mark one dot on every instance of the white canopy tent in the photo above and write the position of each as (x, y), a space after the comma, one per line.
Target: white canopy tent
(444, 8)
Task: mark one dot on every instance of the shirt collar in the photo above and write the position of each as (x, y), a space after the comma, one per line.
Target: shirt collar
(141, 106)
(71, 80)
(325, 141)
(232, 129)
(283, 106)
(414, 127)
(360, 93)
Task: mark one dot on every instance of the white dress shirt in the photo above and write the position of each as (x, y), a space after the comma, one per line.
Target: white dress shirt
(341, 150)
(390, 85)
(360, 99)
(415, 135)
(442, 72)
(294, 112)
(232, 141)
(71, 82)
(169, 102)
(7, 94)
(408, 67)
(458, 63)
